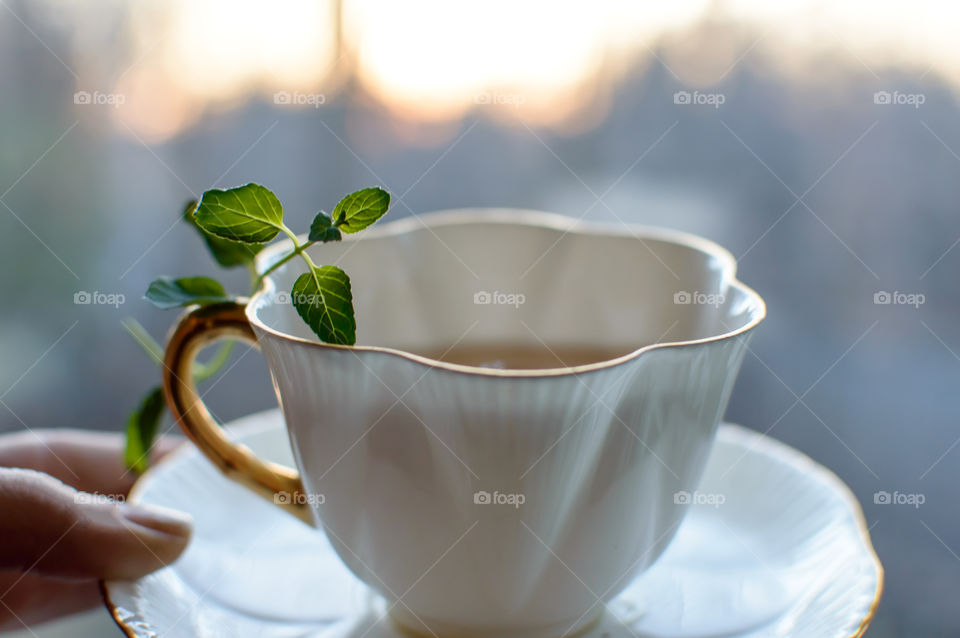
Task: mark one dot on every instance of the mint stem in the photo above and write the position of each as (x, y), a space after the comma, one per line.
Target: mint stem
(143, 339)
(297, 250)
(203, 371)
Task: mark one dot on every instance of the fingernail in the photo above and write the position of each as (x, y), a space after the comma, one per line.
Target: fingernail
(159, 518)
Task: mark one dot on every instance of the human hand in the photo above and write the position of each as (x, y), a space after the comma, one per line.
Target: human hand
(59, 535)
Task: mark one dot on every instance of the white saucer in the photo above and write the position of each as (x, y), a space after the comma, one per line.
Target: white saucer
(786, 553)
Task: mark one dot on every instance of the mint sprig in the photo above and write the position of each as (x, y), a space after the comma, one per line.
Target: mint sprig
(252, 215)
(249, 214)
(323, 230)
(169, 293)
(142, 426)
(358, 210)
(235, 225)
(324, 300)
(226, 252)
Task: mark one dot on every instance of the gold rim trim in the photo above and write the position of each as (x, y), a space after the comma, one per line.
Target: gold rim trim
(852, 502)
(527, 218)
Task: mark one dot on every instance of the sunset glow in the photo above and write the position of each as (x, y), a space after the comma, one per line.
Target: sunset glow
(436, 60)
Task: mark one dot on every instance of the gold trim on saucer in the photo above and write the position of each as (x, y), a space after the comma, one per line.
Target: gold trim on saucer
(113, 611)
(133, 496)
(868, 543)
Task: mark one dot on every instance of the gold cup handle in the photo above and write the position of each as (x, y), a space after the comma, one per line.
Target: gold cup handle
(198, 328)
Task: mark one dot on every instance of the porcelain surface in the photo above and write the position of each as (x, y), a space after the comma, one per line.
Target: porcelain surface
(398, 452)
(774, 546)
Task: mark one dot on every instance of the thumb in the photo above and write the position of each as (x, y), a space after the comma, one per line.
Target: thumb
(55, 530)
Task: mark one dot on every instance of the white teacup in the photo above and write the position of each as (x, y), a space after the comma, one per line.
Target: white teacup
(483, 501)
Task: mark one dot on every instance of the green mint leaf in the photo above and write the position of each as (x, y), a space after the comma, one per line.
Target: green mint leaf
(142, 428)
(166, 293)
(358, 210)
(323, 299)
(227, 253)
(322, 229)
(249, 214)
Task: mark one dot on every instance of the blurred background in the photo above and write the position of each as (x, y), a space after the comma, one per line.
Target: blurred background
(818, 141)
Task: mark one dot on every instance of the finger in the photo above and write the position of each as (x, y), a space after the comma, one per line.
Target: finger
(52, 529)
(88, 461)
(28, 599)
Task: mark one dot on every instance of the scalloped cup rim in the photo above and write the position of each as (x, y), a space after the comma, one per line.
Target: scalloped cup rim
(520, 217)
